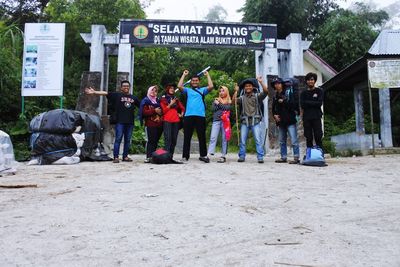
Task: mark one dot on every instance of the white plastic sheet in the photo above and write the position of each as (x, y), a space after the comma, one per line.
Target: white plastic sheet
(7, 160)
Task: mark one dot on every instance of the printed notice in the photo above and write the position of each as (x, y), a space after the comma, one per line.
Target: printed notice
(384, 73)
(43, 62)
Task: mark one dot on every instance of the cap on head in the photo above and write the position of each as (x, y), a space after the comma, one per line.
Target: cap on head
(276, 80)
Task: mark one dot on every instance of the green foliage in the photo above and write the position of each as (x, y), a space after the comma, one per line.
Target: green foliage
(138, 139)
(302, 16)
(10, 70)
(329, 147)
(341, 44)
(151, 64)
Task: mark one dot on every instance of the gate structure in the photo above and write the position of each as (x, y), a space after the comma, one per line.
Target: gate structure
(272, 57)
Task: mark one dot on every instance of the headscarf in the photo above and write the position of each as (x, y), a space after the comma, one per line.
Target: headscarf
(227, 98)
(153, 99)
(148, 100)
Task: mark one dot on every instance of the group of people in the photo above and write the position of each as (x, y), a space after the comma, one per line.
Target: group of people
(165, 115)
(287, 111)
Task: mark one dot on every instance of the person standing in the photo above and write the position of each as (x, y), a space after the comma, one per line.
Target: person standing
(285, 108)
(151, 113)
(311, 101)
(251, 116)
(221, 107)
(195, 114)
(124, 104)
(173, 111)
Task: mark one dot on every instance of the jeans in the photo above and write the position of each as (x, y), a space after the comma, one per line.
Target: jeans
(292, 130)
(256, 129)
(189, 124)
(122, 130)
(215, 130)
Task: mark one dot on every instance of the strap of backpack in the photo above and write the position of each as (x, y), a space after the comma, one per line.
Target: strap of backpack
(202, 96)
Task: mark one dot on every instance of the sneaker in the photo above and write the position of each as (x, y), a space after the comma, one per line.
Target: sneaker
(295, 161)
(127, 159)
(205, 159)
(281, 161)
(148, 160)
(240, 159)
(221, 160)
(116, 160)
(260, 161)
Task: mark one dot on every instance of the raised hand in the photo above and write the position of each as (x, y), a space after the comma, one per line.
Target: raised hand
(236, 88)
(89, 91)
(259, 79)
(185, 72)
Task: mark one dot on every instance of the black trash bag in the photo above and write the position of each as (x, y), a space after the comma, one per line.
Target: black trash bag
(91, 126)
(98, 154)
(48, 148)
(58, 121)
(162, 156)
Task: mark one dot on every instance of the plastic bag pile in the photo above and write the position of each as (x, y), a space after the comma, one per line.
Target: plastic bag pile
(65, 137)
(7, 162)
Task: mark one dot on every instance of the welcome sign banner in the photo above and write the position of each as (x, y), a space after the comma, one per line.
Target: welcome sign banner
(198, 34)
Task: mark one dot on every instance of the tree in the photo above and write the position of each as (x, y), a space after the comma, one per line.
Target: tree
(10, 70)
(216, 14)
(22, 11)
(302, 16)
(375, 18)
(344, 38)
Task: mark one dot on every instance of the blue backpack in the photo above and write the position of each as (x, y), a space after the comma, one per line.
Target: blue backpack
(314, 157)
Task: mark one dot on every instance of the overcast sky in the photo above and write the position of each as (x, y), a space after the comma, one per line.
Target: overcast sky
(198, 9)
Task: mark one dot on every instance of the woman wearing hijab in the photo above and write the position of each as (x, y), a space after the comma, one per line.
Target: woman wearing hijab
(173, 111)
(151, 113)
(221, 112)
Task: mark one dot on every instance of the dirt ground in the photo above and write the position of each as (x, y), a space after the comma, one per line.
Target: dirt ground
(197, 214)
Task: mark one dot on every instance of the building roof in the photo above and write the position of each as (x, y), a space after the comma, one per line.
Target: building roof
(386, 45)
(317, 62)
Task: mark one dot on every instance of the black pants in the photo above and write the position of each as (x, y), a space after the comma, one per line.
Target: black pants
(313, 131)
(170, 136)
(189, 124)
(153, 136)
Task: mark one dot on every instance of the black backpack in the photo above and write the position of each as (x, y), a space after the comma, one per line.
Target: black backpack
(162, 156)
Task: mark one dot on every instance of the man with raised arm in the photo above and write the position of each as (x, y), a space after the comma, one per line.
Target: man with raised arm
(251, 116)
(195, 114)
(124, 104)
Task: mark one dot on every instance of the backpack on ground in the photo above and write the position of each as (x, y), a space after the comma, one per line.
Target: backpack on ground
(314, 157)
(162, 156)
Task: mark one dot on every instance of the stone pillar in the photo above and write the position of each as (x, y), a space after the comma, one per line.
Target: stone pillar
(125, 62)
(295, 56)
(359, 108)
(266, 64)
(385, 118)
(86, 103)
(97, 56)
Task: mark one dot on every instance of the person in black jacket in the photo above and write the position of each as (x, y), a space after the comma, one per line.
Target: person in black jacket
(285, 108)
(124, 104)
(311, 101)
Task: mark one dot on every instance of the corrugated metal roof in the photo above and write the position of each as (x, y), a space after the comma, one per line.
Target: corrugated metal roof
(387, 43)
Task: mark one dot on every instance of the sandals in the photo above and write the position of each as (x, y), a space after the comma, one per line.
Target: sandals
(221, 160)
(127, 159)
